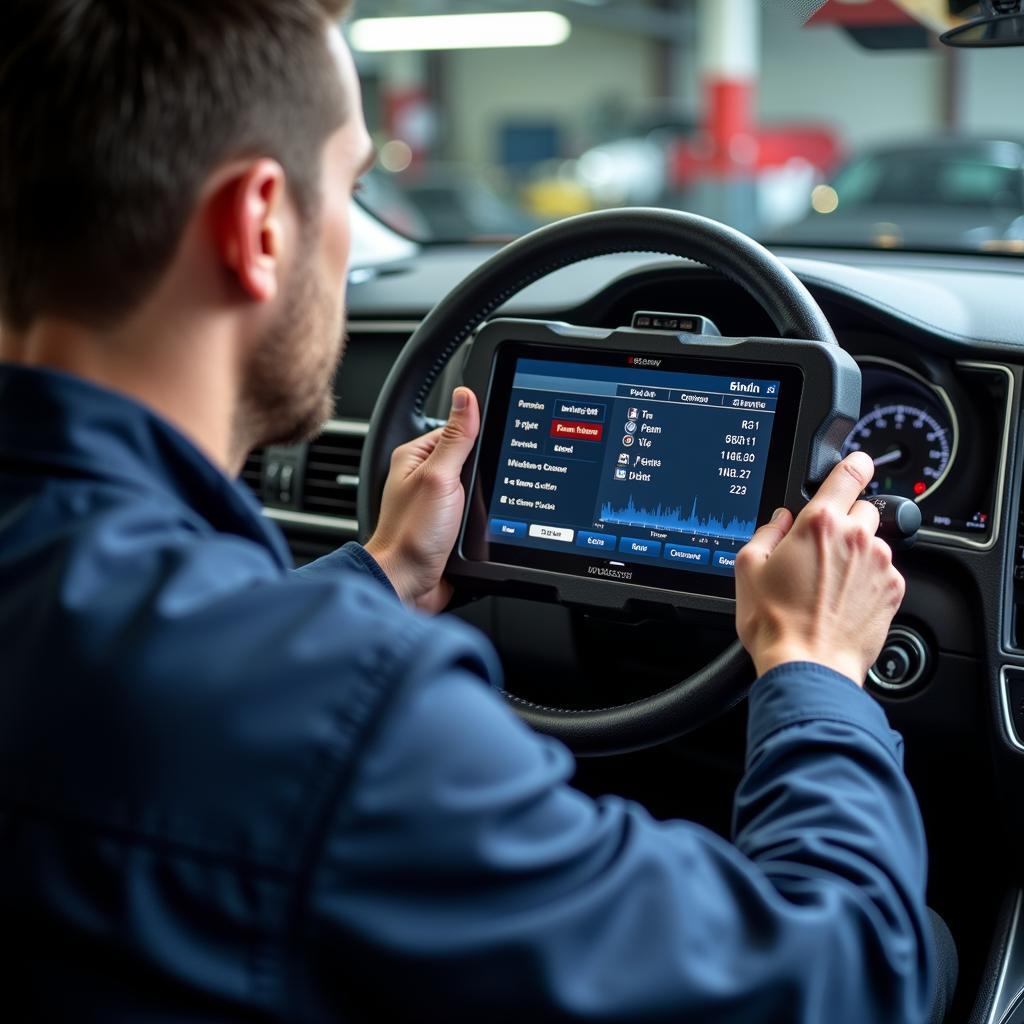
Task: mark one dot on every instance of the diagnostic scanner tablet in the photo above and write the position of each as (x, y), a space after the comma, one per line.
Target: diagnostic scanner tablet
(619, 466)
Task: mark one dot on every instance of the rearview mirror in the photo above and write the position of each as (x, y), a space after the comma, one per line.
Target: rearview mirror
(1002, 25)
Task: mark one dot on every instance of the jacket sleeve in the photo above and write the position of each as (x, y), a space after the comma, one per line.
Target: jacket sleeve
(351, 557)
(463, 879)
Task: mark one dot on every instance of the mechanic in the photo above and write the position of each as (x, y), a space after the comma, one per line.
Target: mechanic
(231, 790)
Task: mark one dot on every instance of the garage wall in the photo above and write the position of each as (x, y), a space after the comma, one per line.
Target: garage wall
(566, 83)
(991, 83)
(820, 74)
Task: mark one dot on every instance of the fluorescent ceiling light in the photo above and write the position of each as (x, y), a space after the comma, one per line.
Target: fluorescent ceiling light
(460, 31)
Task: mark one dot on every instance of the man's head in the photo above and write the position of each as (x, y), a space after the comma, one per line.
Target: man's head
(140, 135)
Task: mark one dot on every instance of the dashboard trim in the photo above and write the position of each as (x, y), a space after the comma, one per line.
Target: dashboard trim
(381, 326)
(311, 521)
(956, 539)
(354, 428)
(1003, 1004)
(1004, 705)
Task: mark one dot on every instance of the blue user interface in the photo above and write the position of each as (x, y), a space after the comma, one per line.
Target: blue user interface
(633, 466)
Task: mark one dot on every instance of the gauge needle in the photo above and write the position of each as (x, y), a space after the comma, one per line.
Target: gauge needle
(884, 460)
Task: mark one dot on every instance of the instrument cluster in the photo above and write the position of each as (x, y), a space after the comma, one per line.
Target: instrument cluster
(934, 439)
(909, 428)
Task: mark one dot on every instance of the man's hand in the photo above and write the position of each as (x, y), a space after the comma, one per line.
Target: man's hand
(422, 507)
(821, 589)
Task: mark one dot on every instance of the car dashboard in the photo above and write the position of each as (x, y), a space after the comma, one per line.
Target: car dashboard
(940, 341)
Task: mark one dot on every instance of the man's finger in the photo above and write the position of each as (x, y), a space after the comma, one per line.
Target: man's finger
(845, 483)
(767, 538)
(459, 434)
(866, 513)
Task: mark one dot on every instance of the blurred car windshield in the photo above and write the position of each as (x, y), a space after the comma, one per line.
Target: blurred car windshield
(832, 124)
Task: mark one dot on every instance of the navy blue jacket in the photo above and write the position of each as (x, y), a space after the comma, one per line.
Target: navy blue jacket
(231, 791)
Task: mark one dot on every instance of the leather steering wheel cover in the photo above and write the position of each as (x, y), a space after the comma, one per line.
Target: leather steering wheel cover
(398, 416)
(664, 716)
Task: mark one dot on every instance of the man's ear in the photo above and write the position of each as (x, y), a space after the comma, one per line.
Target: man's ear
(248, 227)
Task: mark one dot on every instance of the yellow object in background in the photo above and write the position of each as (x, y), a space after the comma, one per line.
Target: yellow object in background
(551, 198)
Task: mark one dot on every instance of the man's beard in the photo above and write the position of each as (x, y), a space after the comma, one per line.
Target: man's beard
(288, 390)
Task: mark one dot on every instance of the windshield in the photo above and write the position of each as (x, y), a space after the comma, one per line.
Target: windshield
(835, 124)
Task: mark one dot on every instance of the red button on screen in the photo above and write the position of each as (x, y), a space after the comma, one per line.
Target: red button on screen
(577, 430)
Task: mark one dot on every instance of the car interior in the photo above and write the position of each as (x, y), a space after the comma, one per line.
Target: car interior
(921, 290)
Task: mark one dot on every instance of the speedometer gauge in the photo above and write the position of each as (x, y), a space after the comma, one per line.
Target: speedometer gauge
(910, 448)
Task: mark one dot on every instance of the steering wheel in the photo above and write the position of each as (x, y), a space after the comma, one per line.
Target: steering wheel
(399, 416)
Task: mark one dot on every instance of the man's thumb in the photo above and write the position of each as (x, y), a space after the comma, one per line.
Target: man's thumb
(459, 434)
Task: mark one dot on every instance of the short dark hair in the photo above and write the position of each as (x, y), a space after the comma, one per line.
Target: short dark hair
(113, 114)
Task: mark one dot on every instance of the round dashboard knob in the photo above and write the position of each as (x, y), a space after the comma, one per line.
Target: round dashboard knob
(902, 661)
(893, 665)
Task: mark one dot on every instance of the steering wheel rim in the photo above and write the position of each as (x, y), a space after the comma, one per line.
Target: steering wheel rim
(399, 416)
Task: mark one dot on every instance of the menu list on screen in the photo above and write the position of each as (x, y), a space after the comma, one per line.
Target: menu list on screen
(632, 465)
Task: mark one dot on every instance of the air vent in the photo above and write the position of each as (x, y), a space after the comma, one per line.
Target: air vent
(332, 470)
(252, 473)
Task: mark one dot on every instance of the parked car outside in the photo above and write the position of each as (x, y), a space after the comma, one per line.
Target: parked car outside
(939, 194)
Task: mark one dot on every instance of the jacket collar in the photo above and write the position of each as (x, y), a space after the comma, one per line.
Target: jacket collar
(56, 424)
